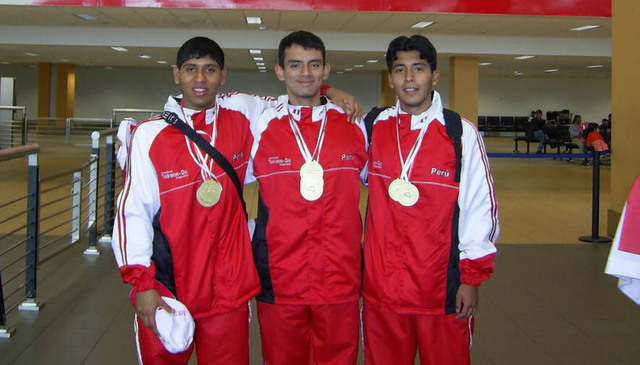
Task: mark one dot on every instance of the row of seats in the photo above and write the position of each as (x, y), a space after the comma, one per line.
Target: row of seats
(502, 124)
(559, 137)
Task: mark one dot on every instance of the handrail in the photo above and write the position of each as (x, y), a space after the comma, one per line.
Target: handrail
(20, 151)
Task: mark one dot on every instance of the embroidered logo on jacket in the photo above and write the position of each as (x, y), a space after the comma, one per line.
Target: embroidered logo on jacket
(377, 164)
(237, 156)
(435, 171)
(280, 161)
(347, 157)
(174, 174)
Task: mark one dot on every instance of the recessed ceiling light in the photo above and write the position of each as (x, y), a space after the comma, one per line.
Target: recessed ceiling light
(64, 60)
(144, 56)
(485, 63)
(263, 70)
(258, 58)
(119, 49)
(584, 27)
(259, 63)
(162, 62)
(358, 66)
(552, 70)
(84, 16)
(372, 61)
(255, 51)
(254, 20)
(109, 68)
(595, 66)
(30, 54)
(88, 64)
(340, 72)
(348, 69)
(262, 27)
(4, 63)
(518, 73)
(421, 25)
(523, 57)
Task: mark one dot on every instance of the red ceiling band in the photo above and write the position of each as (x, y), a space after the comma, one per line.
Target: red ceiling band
(595, 8)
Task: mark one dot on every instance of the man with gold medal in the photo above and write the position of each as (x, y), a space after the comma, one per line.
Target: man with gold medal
(431, 222)
(180, 229)
(308, 159)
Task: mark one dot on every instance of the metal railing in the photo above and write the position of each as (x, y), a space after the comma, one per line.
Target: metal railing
(56, 212)
(109, 180)
(20, 235)
(77, 129)
(45, 130)
(13, 131)
(137, 114)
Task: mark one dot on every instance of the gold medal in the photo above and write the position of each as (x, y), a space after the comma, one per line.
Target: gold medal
(395, 189)
(311, 189)
(208, 193)
(311, 169)
(404, 192)
(409, 194)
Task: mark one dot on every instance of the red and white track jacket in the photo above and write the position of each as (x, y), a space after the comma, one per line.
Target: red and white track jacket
(208, 253)
(308, 252)
(412, 262)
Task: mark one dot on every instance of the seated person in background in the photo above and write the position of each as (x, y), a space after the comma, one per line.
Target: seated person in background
(574, 129)
(595, 139)
(537, 127)
(605, 130)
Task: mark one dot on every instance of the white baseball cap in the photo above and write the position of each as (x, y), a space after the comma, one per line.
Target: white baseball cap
(175, 329)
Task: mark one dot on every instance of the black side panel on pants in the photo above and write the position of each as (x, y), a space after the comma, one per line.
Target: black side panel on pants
(453, 271)
(261, 253)
(162, 258)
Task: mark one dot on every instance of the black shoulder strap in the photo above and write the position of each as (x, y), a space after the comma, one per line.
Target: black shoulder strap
(453, 124)
(174, 120)
(369, 118)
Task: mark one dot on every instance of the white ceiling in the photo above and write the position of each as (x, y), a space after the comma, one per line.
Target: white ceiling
(352, 38)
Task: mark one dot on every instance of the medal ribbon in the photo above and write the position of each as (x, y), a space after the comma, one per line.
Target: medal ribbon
(406, 165)
(302, 146)
(203, 160)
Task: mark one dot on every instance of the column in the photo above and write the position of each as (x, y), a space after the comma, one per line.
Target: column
(388, 96)
(625, 109)
(465, 85)
(44, 92)
(65, 91)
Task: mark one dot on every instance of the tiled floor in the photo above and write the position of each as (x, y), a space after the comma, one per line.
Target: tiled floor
(548, 302)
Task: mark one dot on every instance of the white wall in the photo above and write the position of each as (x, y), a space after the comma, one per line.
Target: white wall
(591, 98)
(99, 90)
(26, 87)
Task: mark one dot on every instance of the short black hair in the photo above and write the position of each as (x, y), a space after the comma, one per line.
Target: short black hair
(414, 43)
(302, 38)
(200, 47)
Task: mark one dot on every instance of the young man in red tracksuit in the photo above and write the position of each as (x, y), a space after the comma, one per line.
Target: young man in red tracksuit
(308, 159)
(429, 240)
(169, 241)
